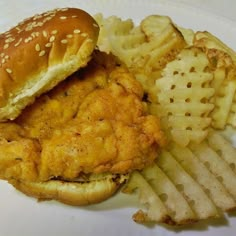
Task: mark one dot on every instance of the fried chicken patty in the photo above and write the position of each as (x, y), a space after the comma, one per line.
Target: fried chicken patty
(93, 122)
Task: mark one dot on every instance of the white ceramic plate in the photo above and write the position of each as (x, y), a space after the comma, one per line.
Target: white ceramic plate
(21, 215)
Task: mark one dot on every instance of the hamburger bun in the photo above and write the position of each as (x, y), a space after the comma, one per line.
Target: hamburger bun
(73, 193)
(105, 132)
(40, 52)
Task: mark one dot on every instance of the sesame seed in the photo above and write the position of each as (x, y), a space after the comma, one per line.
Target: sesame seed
(42, 53)
(6, 57)
(2, 54)
(54, 32)
(36, 17)
(45, 34)
(19, 30)
(95, 25)
(84, 35)
(49, 13)
(64, 9)
(37, 47)
(69, 36)
(89, 40)
(48, 45)
(63, 17)
(33, 24)
(3, 61)
(74, 16)
(28, 39)
(47, 18)
(52, 38)
(64, 41)
(76, 31)
(8, 35)
(9, 71)
(9, 40)
(28, 28)
(6, 46)
(35, 34)
(40, 24)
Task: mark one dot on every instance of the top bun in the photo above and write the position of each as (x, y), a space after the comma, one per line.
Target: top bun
(40, 52)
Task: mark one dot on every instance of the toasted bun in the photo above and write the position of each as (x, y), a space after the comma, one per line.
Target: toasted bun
(40, 52)
(72, 193)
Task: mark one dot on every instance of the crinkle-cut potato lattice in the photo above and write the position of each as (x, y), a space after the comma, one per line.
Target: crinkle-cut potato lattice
(146, 48)
(208, 40)
(183, 97)
(190, 80)
(222, 60)
(188, 35)
(188, 184)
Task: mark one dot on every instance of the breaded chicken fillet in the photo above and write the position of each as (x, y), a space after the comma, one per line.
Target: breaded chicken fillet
(94, 122)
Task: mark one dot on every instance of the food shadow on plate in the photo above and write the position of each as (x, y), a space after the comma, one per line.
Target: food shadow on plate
(124, 201)
(232, 214)
(202, 225)
(118, 201)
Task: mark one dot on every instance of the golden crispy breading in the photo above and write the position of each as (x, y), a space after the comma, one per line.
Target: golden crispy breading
(94, 122)
(18, 155)
(62, 103)
(109, 133)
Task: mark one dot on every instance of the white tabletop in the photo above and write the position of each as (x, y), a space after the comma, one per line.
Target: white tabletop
(225, 8)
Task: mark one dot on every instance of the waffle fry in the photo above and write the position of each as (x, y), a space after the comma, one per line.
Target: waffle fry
(224, 148)
(188, 35)
(194, 183)
(178, 208)
(143, 48)
(113, 29)
(190, 81)
(208, 40)
(223, 113)
(210, 183)
(232, 116)
(166, 39)
(157, 211)
(183, 97)
(222, 59)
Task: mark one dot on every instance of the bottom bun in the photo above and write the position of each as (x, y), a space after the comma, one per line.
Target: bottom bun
(72, 193)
